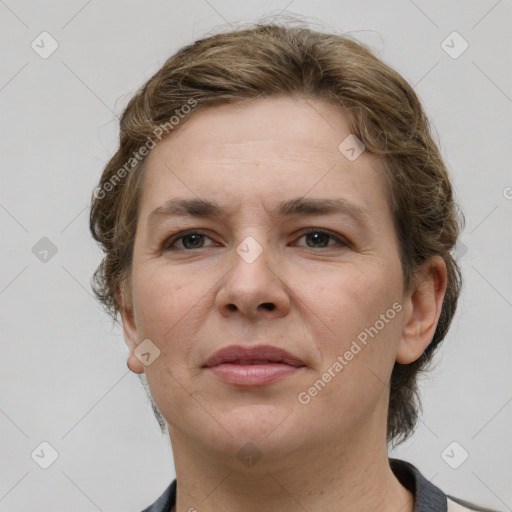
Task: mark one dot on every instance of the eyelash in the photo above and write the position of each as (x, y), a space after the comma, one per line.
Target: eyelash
(170, 241)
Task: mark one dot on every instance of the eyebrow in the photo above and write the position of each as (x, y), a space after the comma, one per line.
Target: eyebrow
(204, 208)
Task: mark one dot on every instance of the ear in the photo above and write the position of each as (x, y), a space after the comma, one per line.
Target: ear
(129, 328)
(423, 305)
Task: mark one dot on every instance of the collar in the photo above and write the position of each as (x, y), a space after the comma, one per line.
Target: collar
(427, 497)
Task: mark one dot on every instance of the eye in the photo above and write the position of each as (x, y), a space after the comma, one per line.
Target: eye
(321, 236)
(195, 240)
(190, 240)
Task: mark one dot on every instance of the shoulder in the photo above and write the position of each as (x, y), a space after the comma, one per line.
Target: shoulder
(458, 505)
(166, 501)
(427, 496)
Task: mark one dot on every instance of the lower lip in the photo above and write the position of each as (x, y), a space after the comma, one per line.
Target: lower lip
(253, 374)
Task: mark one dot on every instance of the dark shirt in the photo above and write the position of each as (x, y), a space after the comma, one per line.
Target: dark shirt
(427, 497)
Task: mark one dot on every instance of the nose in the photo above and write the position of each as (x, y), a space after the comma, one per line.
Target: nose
(254, 287)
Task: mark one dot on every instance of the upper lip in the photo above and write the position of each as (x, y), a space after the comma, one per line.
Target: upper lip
(258, 353)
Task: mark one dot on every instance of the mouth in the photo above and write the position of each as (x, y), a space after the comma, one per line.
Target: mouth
(252, 366)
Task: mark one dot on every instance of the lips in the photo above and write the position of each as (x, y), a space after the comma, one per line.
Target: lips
(257, 355)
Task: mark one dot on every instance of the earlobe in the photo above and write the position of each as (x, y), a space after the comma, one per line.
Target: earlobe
(134, 364)
(130, 332)
(423, 309)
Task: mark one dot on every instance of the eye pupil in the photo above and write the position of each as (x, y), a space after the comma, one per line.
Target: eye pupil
(317, 234)
(188, 237)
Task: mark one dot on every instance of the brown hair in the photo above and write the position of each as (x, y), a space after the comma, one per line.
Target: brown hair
(269, 59)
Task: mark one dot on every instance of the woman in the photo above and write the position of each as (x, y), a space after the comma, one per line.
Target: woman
(278, 225)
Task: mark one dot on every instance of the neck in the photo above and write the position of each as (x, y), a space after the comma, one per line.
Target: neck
(350, 475)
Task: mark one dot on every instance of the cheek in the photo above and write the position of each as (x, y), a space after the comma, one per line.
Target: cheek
(349, 298)
(159, 301)
(350, 304)
(170, 308)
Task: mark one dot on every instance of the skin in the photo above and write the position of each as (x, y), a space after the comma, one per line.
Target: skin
(330, 454)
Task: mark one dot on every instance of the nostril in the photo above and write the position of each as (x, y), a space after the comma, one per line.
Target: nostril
(269, 306)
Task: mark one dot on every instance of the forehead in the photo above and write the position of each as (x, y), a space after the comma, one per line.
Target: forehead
(261, 152)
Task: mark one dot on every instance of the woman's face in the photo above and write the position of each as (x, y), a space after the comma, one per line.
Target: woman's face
(249, 276)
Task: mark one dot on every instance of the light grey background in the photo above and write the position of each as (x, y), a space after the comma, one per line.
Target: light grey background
(63, 375)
